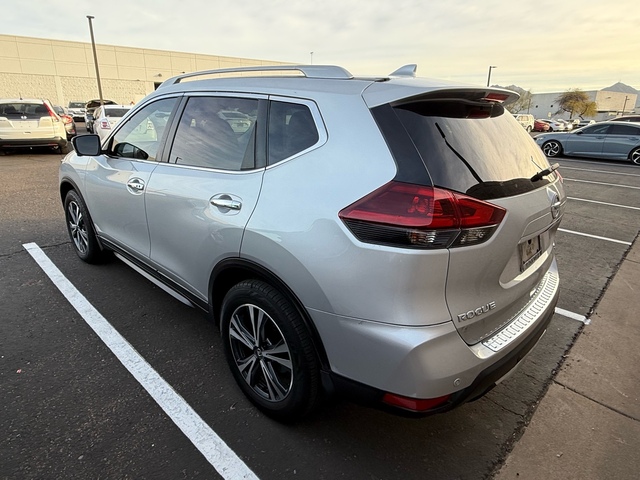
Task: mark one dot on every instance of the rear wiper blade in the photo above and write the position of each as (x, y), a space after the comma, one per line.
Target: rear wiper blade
(462, 159)
(545, 172)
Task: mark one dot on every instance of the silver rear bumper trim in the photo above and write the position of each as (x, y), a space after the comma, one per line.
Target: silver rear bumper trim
(527, 316)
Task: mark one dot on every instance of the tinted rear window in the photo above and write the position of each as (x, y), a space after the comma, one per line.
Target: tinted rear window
(23, 110)
(115, 112)
(476, 148)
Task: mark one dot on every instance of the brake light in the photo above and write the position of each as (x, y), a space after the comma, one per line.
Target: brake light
(52, 114)
(415, 216)
(104, 124)
(496, 97)
(66, 119)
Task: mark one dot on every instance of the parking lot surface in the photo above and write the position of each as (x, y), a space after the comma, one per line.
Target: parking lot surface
(73, 409)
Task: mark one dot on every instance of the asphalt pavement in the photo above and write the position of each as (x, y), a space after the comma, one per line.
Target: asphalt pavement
(587, 426)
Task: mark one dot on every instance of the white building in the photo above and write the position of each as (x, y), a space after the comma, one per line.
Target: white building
(611, 102)
(63, 71)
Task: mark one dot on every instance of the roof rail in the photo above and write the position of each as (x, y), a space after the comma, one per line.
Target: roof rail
(309, 71)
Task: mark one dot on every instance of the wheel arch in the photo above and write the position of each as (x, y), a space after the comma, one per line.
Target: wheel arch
(229, 272)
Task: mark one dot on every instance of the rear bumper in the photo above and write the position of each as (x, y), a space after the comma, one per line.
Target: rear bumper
(369, 359)
(33, 142)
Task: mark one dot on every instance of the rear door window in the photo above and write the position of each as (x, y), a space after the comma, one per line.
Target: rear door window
(292, 130)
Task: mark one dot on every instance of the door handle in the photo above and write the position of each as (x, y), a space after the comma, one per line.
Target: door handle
(226, 203)
(136, 184)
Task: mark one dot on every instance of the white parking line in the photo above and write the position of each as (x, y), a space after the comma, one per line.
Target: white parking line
(214, 449)
(601, 171)
(573, 316)
(594, 236)
(601, 183)
(603, 203)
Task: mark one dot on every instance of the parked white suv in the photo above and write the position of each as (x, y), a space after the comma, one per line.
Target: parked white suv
(526, 120)
(31, 123)
(387, 237)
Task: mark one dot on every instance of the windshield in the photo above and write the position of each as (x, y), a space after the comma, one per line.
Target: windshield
(76, 104)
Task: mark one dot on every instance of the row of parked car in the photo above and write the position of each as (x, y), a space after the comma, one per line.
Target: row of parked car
(543, 125)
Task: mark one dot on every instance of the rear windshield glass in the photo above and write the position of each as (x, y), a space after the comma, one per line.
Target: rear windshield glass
(477, 148)
(76, 104)
(115, 112)
(23, 110)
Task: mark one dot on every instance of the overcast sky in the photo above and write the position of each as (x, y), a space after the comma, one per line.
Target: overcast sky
(541, 45)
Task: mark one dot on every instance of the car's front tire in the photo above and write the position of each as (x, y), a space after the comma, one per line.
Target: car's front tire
(80, 229)
(552, 148)
(269, 350)
(634, 156)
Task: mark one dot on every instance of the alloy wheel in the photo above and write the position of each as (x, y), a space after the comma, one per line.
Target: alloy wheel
(77, 227)
(261, 353)
(551, 149)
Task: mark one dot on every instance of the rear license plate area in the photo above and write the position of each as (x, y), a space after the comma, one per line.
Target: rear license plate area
(530, 251)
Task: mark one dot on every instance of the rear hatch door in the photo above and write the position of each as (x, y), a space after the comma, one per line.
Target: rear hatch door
(474, 146)
(28, 121)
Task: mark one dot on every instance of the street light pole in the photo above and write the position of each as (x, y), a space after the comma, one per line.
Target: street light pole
(489, 76)
(95, 59)
(311, 53)
(625, 103)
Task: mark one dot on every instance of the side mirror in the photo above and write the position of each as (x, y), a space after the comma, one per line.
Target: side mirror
(86, 145)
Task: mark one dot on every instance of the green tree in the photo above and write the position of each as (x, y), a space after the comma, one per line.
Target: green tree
(576, 103)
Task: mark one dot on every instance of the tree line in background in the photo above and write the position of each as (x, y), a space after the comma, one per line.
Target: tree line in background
(575, 102)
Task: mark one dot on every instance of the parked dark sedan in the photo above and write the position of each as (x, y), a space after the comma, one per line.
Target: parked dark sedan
(612, 140)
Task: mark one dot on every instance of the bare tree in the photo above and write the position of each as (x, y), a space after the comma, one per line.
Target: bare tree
(523, 103)
(576, 103)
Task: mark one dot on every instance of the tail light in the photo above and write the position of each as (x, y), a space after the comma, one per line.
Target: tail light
(52, 114)
(104, 124)
(66, 119)
(415, 216)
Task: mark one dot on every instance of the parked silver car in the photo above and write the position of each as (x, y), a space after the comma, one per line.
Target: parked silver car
(390, 238)
(611, 140)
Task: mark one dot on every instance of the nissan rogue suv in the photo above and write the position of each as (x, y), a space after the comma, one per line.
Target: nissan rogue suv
(388, 238)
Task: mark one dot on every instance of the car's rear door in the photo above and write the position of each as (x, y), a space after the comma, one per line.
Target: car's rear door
(587, 142)
(621, 140)
(199, 202)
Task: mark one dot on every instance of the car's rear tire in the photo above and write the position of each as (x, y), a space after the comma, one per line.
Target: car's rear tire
(270, 351)
(634, 156)
(552, 148)
(80, 228)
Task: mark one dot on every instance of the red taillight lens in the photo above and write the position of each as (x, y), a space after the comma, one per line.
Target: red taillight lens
(408, 215)
(414, 404)
(66, 119)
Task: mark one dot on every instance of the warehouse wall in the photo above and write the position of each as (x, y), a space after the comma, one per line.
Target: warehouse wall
(64, 71)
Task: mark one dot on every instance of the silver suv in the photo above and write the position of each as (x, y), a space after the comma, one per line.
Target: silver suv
(388, 238)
